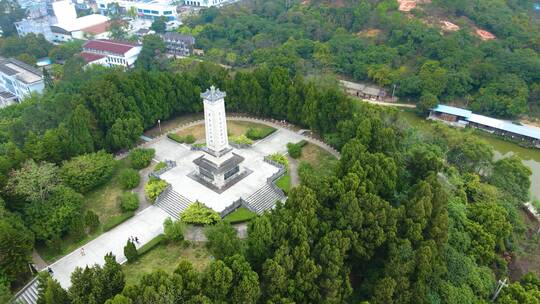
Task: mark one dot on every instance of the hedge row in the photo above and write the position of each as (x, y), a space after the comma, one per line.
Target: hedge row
(150, 245)
(117, 220)
(188, 139)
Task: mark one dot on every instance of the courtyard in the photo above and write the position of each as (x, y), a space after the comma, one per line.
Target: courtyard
(182, 154)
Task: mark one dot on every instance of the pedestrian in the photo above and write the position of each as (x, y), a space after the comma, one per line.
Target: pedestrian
(82, 251)
(137, 240)
(50, 270)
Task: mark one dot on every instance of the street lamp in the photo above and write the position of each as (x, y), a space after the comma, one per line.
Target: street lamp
(159, 124)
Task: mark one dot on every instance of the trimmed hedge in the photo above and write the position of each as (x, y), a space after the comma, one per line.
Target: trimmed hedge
(141, 158)
(117, 220)
(159, 166)
(256, 133)
(151, 245)
(129, 202)
(129, 178)
(188, 139)
(280, 159)
(154, 187)
(240, 140)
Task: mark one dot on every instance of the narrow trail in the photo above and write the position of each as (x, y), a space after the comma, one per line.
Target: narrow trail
(293, 171)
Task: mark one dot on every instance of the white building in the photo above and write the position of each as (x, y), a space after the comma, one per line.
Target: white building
(110, 53)
(147, 9)
(35, 26)
(204, 3)
(18, 80)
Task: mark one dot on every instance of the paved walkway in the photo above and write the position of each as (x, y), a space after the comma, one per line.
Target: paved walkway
(38, 261)
(145, 225)
(293, 171)
(143, 201)
(196, 233)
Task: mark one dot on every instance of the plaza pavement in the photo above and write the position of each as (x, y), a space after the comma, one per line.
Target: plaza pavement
(145, 225)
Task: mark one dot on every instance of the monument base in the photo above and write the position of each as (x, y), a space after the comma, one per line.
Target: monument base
(219, 173)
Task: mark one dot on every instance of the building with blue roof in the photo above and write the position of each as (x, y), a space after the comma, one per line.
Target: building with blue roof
(461, 118)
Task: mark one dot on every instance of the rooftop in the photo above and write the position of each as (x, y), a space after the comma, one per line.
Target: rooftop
(83, 22)
(91, 57)
(109, 46)
(453, 110)
(490, 122)
(213, 94)
(21, 70)
(98, 28)
(178, 37)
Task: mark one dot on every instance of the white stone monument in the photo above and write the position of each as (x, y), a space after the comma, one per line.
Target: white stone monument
(219, 167)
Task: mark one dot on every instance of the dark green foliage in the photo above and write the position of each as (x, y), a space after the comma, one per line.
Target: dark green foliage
(129, 178)
(96, 284)
(84, 173)
(198, 214)
(16, 243)
(124, 133)
(222, 240)
(117, 220)
(152, 56)
(130, 251)
(159, 25)
(91, 220)
(129, 202)
(141, 158)
(52, 293)
(513, 178)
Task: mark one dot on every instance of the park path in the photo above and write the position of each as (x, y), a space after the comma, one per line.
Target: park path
(145, 225)
(196, 233)
(293, 171)
(281, 125)
(39, 263)
(144, 173)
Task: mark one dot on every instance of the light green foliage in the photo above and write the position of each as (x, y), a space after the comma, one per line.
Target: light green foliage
(222, 240)
(129, 178)
(217, 279)
(188, 139)
(279, 158)
(34, 182)
(256, 133)
(240, 140)
(85, 172)
(129, 201)
(295, 150)
(174, 230)
(154, 187)
(159, 166)
(513, 178)
(239, 215)
(197, 213)
(141, 158)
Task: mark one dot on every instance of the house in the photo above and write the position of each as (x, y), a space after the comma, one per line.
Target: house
(363, 91)
(110, 53)
(461, 117)
(178, 44)
(146, 9)
(18, 80)
(35, 26)
(204, 3)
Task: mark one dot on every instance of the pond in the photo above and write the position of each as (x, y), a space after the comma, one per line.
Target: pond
(530, 157)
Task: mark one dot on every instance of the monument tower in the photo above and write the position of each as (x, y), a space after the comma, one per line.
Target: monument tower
(219, 167)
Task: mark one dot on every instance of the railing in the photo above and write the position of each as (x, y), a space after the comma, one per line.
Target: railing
(272, 179)
(17, 297)
(163, 194)
(235, 205)
(169, 165)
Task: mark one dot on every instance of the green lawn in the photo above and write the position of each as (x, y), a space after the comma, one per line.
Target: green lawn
(321, 160)
(239, 215)
(166, 257)
(284, 183)
(104, 202)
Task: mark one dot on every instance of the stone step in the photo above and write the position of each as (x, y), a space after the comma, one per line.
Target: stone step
(28, 295)
(264, 199)
(173, 203)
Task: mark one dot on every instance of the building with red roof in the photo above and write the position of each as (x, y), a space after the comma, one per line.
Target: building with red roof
(110, 52)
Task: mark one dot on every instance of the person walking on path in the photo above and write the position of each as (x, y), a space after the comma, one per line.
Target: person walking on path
(82, 251)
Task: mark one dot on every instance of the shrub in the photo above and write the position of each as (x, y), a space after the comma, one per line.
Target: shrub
(256, 133)
(239, 215)
(222, 240)
(198, 214)
(154, 187)
(141, 158)
(174, 230)
(280, 159)
(188, 139)
(199, 145)
(295, 150)
(130, 178)
(130, 251)
(117, 220)
(85, 172)
(150, 245)
(129, 202)
(159, 166)
(240, 140)
(91, 221)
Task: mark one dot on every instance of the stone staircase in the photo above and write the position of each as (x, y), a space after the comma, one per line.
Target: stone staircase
(265, 198)
(27, 295)
(172, 202)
